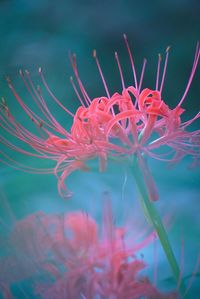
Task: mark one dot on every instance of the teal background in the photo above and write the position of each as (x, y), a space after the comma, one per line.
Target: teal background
(41, 33)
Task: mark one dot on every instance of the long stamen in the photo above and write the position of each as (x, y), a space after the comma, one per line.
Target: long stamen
(28, 111)
(75, 69)
(38, 99)
(195, 63)
(142, 73)
(158, 70)
(19, 131)
(19, 166)
(120, 70)
(52, 95)
(32, 91)
(189, 122)
(131, 60)
(76, 92)
(101, 73)
(55, 123)
(164, 70)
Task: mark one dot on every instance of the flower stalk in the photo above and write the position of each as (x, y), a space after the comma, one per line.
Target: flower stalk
(154, 219)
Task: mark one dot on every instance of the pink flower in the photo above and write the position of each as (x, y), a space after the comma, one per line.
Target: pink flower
(69, 256)
(135, 121)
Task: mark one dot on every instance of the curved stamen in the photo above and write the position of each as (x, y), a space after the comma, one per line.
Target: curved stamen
(34, 95)
(101, 73)
(75, 69)
(131, 60)
(158, 70)
(195, 63)
(76, 91)
(120, 70)
(142, 73)
(51, 93)
(164, 70)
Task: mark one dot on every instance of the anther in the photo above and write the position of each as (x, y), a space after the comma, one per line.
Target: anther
(8, 80)
(21, 73)
(94, 53)
(125, 36)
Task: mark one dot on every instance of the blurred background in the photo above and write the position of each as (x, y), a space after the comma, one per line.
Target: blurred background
(40, 33)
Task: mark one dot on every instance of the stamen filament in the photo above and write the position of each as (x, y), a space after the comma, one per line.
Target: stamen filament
(131, 60)
(101, 73)
(120, 70)
(164, 70)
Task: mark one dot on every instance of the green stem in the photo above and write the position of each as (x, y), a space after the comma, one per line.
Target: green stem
(153, 216)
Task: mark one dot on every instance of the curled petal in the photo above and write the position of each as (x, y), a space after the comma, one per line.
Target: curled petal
(62, 189)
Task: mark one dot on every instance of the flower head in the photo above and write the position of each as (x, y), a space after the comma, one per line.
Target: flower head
(135, 121)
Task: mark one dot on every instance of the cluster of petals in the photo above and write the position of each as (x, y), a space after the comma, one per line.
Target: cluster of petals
(134, 122)
(67, 256)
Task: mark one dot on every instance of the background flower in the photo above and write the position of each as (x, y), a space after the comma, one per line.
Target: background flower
(70, 256)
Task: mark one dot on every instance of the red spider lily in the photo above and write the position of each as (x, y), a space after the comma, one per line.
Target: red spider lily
(106, 126)
(76, 258)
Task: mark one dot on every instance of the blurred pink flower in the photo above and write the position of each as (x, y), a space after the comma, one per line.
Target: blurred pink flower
(69, 257)
(135, 121)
